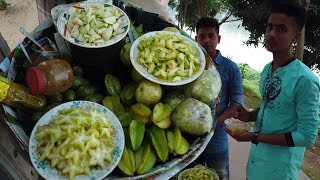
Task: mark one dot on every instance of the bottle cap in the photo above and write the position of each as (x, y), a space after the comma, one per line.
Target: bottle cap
(35, 80)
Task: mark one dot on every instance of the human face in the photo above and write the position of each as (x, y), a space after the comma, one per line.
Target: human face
(280, 33)
(208, 38)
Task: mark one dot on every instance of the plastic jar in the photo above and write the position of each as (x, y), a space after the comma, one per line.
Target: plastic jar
(50, 77)
(15, 95)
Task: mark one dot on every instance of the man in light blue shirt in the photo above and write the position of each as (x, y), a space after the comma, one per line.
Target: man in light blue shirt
(287, 120)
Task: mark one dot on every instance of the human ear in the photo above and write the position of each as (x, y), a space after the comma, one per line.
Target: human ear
(219, 37)
(296, 37)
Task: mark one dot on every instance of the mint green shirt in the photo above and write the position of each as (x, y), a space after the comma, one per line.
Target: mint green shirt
(290, 104)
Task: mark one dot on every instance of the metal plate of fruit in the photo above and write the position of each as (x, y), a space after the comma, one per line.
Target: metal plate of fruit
(76, 140)
(93, 24)
(167, 58)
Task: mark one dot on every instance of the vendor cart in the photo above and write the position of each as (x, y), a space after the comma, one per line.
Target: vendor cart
(16, 125)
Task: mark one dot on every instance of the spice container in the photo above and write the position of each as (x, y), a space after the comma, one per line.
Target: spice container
(50, 77)
(15, 95)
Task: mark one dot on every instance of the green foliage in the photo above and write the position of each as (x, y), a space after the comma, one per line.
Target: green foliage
(248, 73)
(251, 87)
(3, 4)
(252, 96)
(250, 84)
(254, 15)
(188, 10)
(250, 101)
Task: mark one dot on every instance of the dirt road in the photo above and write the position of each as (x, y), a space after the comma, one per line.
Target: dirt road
(19, 13)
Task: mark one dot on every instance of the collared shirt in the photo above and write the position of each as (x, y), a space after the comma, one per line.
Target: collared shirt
(290, 105)
(232, 92)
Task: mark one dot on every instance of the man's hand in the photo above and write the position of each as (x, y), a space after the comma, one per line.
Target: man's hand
(241, 113)
(228, 113)
(240, 136)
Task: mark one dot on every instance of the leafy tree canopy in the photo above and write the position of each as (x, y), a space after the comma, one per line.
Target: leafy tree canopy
(254, 14)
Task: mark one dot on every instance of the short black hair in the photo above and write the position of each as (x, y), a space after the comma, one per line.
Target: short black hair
(207, 22)
(292, 10)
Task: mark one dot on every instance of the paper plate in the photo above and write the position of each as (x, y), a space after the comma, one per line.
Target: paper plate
(134, 53)
(44, 168)
(118, 35)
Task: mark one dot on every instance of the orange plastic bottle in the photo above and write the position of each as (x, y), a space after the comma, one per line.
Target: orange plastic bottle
(50, 77)
(15, 95)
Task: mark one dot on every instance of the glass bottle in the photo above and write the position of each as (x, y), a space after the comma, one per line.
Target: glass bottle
(16, 95)
(50, 77)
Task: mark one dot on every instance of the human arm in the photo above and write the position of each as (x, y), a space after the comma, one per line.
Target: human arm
(227, 113)
(235, 87)
(307, 107)
(246, 116)
(276, 139)
(239, 112)
(235, 91)
(242, 114)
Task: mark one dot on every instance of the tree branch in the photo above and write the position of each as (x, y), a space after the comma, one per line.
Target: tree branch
(232, 20)
(226, 17)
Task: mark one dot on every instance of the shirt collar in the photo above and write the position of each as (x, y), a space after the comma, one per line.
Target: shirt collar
(288, 62)
(218, 58)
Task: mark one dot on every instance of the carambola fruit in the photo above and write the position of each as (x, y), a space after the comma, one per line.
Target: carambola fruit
(178, 145)
(145, 159)
(125, 55)
(140, 112)
(127, 162)
(161, 115)
(112, 84)
(113, 104)
(125, 119)
(127, 93)
(137, 130)
(159, 142)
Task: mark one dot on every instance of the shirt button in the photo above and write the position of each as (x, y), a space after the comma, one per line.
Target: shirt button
(251, 161)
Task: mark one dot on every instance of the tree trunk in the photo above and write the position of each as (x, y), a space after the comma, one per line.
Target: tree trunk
(201, 8)
(300, 44)
(183, 11)
(182, 4)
